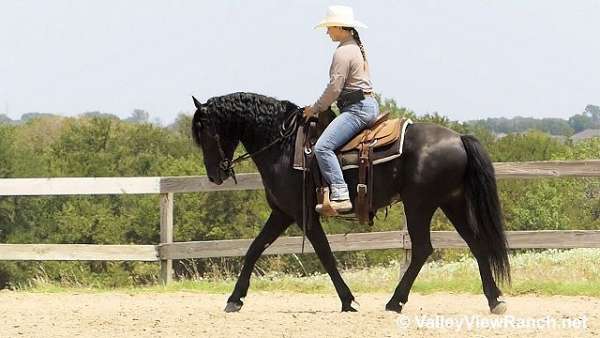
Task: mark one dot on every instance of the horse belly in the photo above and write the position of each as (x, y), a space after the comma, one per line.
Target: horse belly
(387, 183)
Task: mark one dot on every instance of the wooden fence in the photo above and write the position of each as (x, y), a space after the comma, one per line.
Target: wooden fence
(167, 250)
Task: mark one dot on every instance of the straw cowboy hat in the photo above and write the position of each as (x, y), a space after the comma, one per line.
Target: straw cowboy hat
(340, 16)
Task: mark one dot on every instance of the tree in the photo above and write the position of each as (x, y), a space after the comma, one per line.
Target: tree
(519, 124)
(589, 119)
(580, 122)
(5, 119)
(138, 116)
(97, 113)
(532, 146)
(593, 112)
(390, 106)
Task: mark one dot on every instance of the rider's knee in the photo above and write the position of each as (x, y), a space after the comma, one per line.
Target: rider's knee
(321, 148)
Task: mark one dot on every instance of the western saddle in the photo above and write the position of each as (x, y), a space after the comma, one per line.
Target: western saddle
(380, 143)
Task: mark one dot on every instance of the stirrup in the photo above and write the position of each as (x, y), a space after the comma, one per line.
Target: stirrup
(335, 206)
(325, 209)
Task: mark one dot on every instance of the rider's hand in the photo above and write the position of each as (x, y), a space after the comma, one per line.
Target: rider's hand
(309, 112)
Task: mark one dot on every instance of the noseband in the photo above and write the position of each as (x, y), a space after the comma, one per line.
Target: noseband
(224, 164)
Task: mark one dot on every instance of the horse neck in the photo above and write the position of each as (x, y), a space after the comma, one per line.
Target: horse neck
(257, 136)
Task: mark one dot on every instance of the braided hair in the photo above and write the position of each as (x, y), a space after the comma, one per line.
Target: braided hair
(356, 37)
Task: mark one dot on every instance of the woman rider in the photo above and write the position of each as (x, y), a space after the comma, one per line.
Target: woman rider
(350, 85)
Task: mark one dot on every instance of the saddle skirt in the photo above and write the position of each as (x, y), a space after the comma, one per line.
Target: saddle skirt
(386, 137)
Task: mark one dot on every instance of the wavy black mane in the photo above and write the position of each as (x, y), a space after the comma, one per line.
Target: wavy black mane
(262, 113)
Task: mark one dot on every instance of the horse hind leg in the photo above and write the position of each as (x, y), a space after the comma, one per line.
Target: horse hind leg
(418, 221)
(456, 211)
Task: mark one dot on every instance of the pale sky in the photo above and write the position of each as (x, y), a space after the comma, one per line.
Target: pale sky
(466, 59)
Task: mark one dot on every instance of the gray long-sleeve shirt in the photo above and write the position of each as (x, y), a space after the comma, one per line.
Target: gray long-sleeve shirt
(347, 73)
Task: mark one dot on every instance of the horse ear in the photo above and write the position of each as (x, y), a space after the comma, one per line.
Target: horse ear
(197, 103)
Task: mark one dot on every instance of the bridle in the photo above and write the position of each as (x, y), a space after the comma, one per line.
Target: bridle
(287, 129)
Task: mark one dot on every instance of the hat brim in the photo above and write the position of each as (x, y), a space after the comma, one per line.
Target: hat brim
(354, 24)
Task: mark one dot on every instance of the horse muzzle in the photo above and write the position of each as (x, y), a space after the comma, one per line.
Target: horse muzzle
(215, 180)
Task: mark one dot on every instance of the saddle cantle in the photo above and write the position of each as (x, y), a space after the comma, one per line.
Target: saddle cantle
(382, 132)
(380, 143)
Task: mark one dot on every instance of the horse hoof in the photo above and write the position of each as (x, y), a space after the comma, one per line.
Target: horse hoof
(348, 308)
(393, 307)
(233, 307)
(499, 309)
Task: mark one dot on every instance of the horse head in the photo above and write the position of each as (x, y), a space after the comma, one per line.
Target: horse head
(217, 145)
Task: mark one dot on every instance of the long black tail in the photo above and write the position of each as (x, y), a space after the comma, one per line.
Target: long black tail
(484, 212)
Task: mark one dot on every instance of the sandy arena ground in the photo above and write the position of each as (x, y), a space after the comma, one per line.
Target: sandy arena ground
(182, 314)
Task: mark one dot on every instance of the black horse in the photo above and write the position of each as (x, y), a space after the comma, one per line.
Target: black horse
(438, 169)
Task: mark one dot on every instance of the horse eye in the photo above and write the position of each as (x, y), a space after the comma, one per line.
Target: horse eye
(202, 123)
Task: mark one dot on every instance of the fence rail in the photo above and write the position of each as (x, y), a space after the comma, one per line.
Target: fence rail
(167, 250)
(180, 184)
(78, 252)
(547, 239)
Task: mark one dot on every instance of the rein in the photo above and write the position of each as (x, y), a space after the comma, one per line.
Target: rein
(287, 129)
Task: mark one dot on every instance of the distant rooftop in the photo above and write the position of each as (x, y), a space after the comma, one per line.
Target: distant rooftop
(586, 134)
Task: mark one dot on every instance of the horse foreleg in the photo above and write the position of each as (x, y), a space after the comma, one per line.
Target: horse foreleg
(318, 239)
(273, 228)
(418, 220)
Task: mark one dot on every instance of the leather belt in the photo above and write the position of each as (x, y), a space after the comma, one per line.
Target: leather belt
(351, 97)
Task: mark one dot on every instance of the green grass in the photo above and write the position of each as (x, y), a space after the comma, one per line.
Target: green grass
(553, 272)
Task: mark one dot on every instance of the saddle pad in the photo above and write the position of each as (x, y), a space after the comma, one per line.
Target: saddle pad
(381, 135)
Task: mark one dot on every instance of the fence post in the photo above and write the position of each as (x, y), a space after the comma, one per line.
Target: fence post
(166, 235)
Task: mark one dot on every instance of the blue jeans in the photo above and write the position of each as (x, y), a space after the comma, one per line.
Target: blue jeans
(350, 122)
